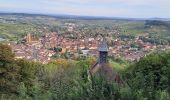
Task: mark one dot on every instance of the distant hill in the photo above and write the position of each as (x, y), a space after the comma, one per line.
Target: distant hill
(64, 16)
(157, 23)
(160, 19)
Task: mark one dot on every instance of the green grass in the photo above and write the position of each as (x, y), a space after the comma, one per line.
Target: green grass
(118, 66)
(15, 30)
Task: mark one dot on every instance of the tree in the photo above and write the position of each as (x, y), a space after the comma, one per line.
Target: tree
(13, 72)
(27, 71)
(6, 54)
(150, 74)
(8, 70)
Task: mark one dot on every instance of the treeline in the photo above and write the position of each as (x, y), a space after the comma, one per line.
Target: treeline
(155, 40)
(150, 23)
(148, 79)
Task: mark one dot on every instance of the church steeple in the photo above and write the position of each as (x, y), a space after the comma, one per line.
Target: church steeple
(103, 47)
(102, 65)
(103, 52)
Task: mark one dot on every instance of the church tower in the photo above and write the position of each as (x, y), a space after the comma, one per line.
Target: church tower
(102, 66)
(29, 38)
(103, 52)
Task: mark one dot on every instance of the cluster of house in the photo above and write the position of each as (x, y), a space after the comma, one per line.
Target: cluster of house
(128, 52)
(40, 49)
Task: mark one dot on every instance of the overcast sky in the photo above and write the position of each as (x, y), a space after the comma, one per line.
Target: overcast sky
(110, 8)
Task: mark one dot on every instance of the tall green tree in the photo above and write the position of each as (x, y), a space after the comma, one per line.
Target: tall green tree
(13, 72)
(8, 70)
(150, 74)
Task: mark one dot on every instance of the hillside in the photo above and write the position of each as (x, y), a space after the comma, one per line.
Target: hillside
(64, 79)
(14, 25)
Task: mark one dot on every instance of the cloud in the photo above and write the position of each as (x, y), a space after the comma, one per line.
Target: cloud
(73, 10)
(122, 8)
(125, 2)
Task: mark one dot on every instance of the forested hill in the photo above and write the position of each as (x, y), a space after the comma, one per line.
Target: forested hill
(147, 79)
(150, 23)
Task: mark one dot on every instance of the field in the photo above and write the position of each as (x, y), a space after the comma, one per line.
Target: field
(16, 26)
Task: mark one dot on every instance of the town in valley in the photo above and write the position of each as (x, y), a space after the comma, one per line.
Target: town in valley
(78, 39)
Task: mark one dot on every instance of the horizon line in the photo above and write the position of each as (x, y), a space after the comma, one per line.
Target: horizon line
(74, 15)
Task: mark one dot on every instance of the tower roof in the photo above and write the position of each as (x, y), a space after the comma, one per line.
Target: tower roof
(103, 46)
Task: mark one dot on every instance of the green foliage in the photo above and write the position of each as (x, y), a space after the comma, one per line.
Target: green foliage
(5, 54)
(150, 23)
(99, 88)
(150, 74)
(163, 95)
(15, 73)
(22, 90)
(27, 70)
(8, 70)
(57, 81)
(84, 66)
(57, 49)
(147, 79)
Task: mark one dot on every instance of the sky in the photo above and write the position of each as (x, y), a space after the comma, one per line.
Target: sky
(108, 8)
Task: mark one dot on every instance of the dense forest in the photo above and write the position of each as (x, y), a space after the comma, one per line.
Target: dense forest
(146, 79)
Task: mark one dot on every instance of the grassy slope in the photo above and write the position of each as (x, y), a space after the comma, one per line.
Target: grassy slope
(22, 25)
(118, 66)
(14, 30)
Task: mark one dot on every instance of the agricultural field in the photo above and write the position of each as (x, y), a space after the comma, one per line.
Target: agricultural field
(15, 26)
